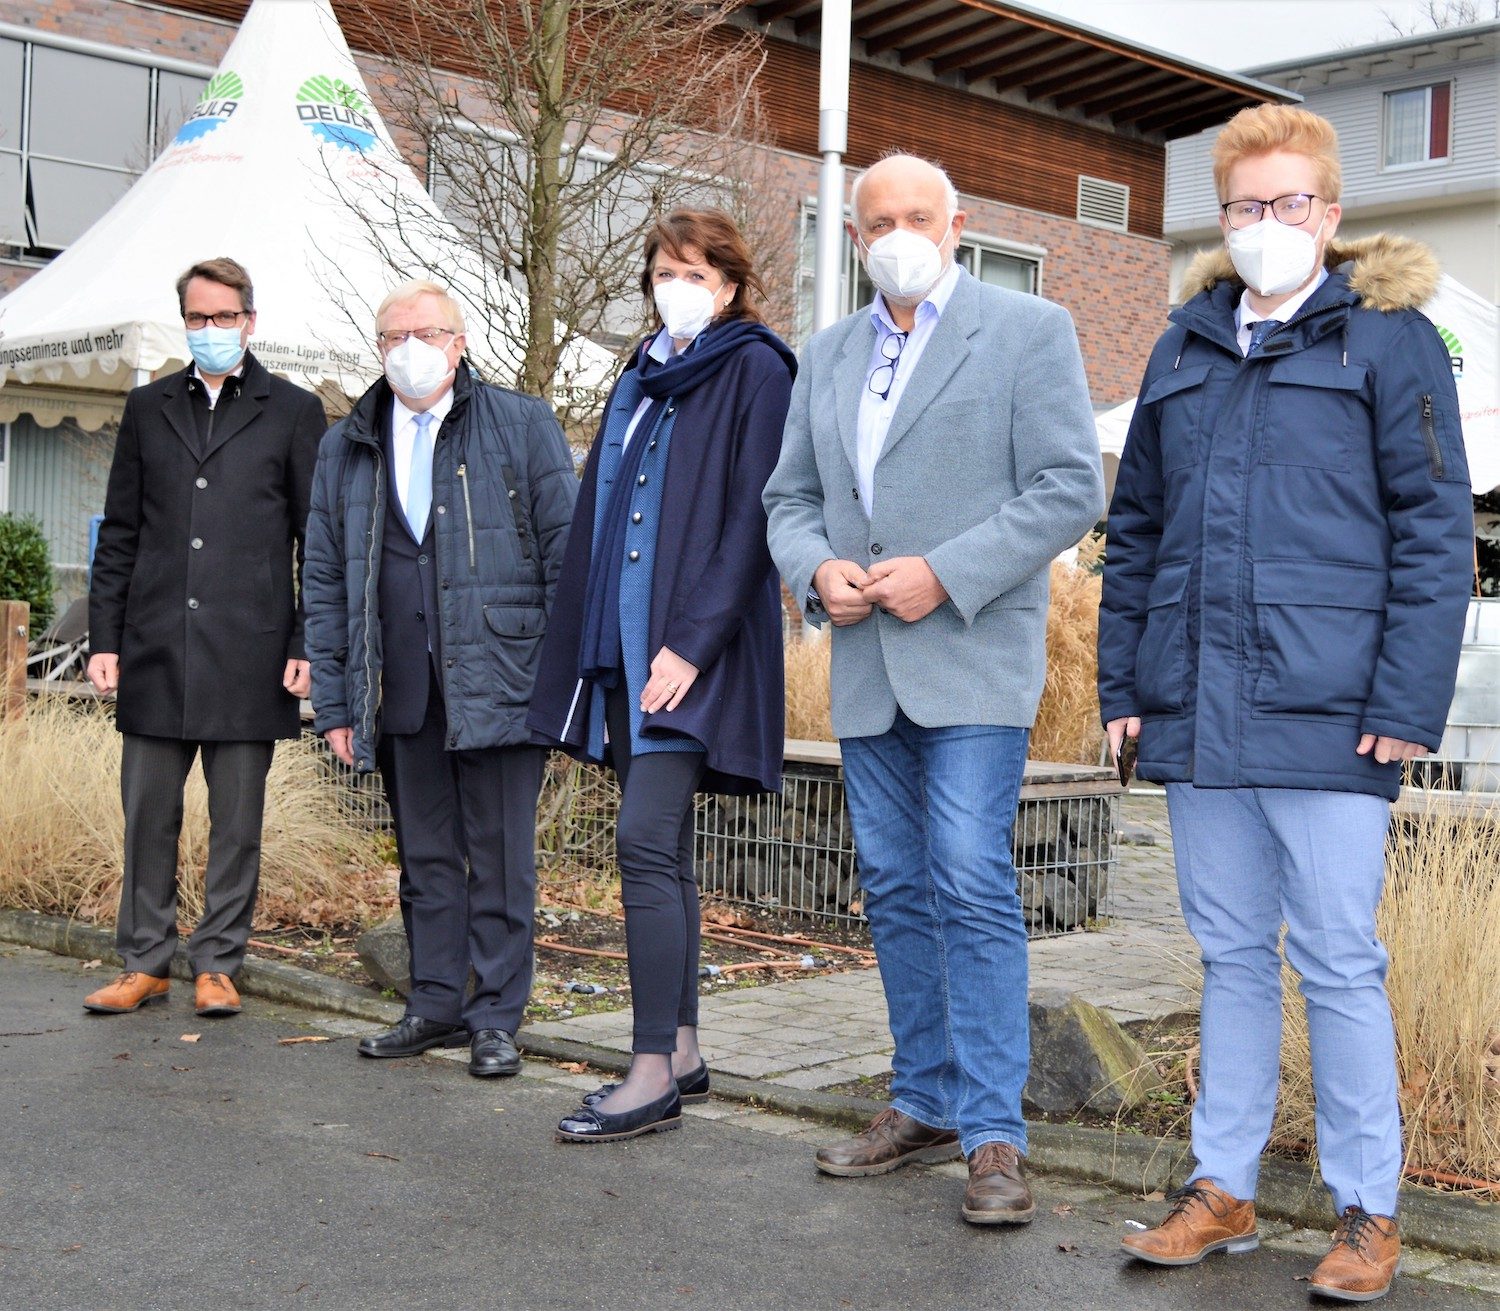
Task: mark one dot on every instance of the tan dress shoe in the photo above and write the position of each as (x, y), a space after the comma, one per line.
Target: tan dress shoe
(215, 995)
(998, 1193)
(1203, 1219)
(891, 1141)
(1364, 1258)
(129, 992)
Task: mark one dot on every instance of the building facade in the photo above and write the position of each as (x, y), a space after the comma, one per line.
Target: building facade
(1056, 136)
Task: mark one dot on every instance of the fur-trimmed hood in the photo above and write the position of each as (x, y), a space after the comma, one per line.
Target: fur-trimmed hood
(1389, 273)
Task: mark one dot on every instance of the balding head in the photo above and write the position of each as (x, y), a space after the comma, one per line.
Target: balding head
(906, 175)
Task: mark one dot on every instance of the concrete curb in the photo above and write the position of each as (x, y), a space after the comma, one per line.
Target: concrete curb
(1460, 1226)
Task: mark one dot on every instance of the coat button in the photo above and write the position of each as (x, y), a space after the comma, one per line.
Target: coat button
(641, 481)
(636, 517)
(511, 493)
(634, 556)
(875, 548)
(362, 763)
(192, 603)
(200, 483)
(442, 509)
(197, 543)
(450, 662)
(421, 559)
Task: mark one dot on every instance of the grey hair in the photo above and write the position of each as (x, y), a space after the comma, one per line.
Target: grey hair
(417, 288)
(950, 192)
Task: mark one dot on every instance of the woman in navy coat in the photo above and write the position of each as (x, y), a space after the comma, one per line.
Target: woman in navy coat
(663, 653)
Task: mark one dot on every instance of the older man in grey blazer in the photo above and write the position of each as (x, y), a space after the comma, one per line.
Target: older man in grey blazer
(939, 452)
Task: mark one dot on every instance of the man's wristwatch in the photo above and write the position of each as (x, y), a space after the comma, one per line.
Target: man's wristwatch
(814, 603)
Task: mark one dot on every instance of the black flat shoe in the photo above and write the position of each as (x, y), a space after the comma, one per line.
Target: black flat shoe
(691, 1087)
(588, 1124)
(413, 1036)
(493, 1054)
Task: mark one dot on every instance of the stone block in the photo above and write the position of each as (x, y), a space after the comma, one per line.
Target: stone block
(1081, 1057)
(384, 954)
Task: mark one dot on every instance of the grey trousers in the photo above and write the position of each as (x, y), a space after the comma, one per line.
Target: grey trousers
(153, 771)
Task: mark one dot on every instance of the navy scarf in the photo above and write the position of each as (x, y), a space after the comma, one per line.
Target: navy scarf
(600, 657)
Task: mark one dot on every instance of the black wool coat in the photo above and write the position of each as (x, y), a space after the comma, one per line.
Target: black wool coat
(195, 573)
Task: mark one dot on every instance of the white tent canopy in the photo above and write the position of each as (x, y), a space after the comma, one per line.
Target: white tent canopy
(1470, 327)
(286, 166)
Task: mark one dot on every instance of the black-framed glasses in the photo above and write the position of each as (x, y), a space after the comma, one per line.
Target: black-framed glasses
(428, 336)
(891, 349)
(1292, 209)
(223, 319)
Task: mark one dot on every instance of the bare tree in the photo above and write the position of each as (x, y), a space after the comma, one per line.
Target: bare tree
(554, 131)
(1436, 15)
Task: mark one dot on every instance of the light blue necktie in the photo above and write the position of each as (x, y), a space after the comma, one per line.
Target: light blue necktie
(1259, 332)
(419, 486)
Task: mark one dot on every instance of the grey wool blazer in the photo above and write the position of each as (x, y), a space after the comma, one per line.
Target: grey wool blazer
(990, 468)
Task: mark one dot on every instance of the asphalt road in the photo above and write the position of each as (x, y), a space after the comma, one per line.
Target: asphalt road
(139, 1170)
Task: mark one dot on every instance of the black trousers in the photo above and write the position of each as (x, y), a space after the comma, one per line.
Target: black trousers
(654, 845)
(466, 837)
(153, 772)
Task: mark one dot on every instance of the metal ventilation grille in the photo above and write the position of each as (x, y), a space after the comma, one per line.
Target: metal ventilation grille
(1104, 204)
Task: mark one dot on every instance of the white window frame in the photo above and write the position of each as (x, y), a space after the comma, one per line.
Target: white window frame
(1427, 161)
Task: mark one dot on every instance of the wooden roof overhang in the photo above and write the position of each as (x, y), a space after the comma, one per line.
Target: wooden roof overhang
(1003, 48)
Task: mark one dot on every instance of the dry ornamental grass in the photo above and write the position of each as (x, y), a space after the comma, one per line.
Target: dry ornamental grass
(61, 830)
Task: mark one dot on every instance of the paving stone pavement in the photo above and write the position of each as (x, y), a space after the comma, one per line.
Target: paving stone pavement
(830, 1029)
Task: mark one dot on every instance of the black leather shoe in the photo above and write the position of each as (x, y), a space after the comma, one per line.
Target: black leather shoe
(588, 1124)
(692, 1087)
(492, 1054)
(413, 1036)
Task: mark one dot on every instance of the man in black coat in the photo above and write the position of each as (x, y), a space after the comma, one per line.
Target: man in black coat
(440, 512)
(195, 624)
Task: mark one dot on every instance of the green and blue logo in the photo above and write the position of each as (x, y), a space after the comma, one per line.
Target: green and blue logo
(215, 107)
(336, 113)
(1455, 349)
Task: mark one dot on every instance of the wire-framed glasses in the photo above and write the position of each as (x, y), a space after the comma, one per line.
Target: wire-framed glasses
(192, 320)
(883, 378)
(1292, 210)
(429, 336)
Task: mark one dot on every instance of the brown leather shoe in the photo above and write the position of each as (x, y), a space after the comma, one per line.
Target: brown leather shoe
(1203, 1219)
(997, 1193)
(129, 992)
(891, 1141)
(216, 995)
(1365, 1256)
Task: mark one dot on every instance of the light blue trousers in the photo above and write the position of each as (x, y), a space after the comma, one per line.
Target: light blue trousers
(1249, 860)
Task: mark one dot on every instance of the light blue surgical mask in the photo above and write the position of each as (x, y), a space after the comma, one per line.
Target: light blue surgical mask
(215, 350)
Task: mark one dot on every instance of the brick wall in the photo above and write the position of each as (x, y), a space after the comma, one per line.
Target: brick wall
(1114, 284)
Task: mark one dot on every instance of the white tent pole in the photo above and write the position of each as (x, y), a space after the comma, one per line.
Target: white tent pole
(833, 141)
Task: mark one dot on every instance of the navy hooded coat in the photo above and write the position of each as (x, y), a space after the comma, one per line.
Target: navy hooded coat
(715, 594)
(1291, 535)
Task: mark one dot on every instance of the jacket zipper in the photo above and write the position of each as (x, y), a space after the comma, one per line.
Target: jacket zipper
(1429, 436)
(371, 583)
(463, 477)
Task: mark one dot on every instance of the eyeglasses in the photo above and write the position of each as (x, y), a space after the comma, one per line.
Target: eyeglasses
(429, 336)
(1292, 210)
(223, 319)
(890, 348)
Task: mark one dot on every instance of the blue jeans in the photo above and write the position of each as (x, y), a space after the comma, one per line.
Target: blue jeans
(1247, 860)
(933, 812)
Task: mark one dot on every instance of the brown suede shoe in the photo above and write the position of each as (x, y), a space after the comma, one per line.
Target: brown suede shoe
(1203, 1219)
(891, 1141)
(997, 1193)
(1365, 1256)
(216, 995)
(129, 992)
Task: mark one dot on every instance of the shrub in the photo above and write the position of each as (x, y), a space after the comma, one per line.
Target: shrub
(26, 567)
(62, 833)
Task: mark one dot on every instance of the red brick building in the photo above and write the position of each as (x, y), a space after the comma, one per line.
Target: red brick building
(1054, 134)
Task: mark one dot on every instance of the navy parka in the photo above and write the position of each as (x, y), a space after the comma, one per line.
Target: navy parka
(715, 594)
(1291, 535)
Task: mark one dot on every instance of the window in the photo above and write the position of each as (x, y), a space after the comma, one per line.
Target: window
(1001, 264)
(76, 130)
(1417, 124)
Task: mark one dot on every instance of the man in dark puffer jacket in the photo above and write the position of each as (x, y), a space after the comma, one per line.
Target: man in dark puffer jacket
(1288, 570)
(440, 510)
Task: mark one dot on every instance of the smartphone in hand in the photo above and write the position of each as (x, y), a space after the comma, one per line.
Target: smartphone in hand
(1125, 758)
